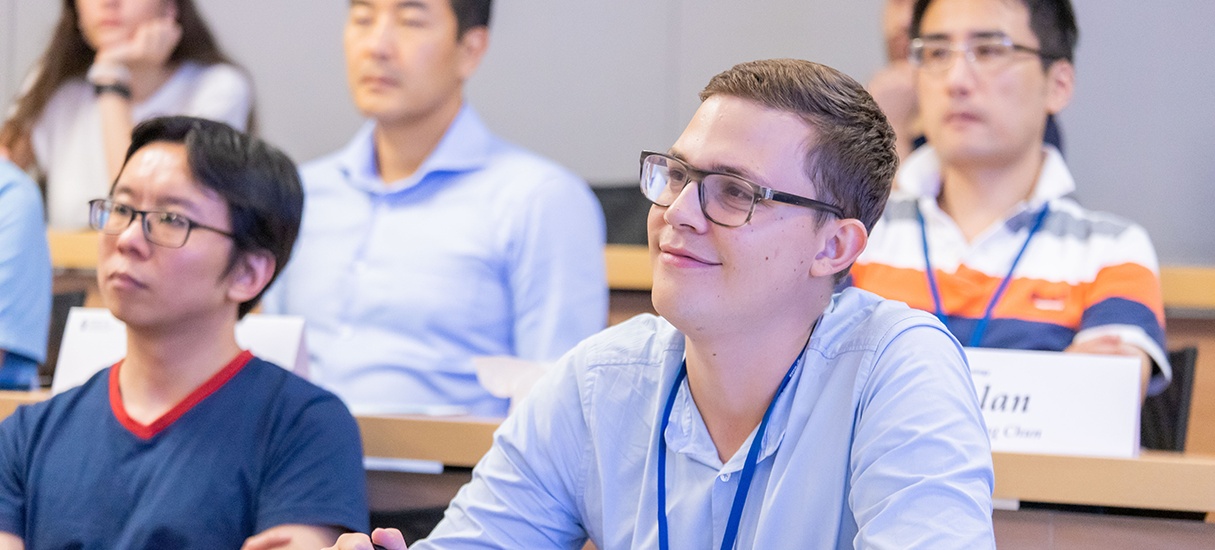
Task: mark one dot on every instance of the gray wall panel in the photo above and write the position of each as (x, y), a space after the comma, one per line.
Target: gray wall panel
(8, 27)
(25, 31)
(293, 49)
(720, 33)
(587, 83)
(34, 25)
(1139, 130)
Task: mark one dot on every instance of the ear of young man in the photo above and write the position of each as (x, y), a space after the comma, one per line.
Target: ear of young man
(473, 46)
(250, 275)
(842, 242)
(1061, 84)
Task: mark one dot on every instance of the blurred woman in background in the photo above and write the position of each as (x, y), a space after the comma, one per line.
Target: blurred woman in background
(110, 65)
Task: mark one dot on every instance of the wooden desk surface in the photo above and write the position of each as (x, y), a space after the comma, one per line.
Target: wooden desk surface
(73, 249)
(1163, 481)
(1155, 480)
(454, 441)
(10, 400)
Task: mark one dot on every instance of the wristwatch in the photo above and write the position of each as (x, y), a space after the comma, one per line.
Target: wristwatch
(110, 78)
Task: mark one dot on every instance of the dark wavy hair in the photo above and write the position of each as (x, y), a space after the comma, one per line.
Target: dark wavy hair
(69, 56)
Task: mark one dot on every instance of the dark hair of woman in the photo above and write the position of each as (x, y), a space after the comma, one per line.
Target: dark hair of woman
(69, 56)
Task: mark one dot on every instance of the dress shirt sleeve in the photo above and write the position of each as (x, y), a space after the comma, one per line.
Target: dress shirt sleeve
(920, 462)
(222, 93)
(557, 276)
(25, 267)
(524, 492)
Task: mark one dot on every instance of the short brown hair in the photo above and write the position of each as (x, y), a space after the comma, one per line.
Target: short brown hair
(852, 161)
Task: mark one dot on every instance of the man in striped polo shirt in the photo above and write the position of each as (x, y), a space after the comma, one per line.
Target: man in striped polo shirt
(983, 231)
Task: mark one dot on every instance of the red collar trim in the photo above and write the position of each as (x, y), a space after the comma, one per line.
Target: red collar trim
(202, 392)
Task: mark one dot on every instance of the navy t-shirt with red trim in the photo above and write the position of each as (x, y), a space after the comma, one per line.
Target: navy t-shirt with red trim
(253, 447)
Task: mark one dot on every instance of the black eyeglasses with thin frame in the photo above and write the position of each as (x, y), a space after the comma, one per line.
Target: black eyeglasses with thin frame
(985, 51)
(167, 229)
(725, 199)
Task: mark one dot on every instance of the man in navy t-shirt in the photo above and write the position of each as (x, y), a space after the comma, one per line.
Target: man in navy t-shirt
(188, 442)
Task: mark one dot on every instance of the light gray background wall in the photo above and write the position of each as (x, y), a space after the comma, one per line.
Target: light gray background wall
(591, 83)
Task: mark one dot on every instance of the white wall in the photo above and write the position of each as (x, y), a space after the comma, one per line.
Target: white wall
(25, 29)
(591, 83)
(1140, 131)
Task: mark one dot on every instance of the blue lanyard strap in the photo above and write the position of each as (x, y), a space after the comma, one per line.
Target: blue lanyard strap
(932, 278)
(977, 336)
(744, 482)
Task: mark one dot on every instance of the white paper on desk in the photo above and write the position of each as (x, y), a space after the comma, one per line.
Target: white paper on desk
(508, 377)
(1058, 403)
(93, 340)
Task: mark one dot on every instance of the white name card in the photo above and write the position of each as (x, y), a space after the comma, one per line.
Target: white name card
(93, 340)
(1058, 403)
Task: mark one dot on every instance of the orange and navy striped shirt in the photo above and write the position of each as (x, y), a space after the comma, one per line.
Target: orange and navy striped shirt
(1084, 274)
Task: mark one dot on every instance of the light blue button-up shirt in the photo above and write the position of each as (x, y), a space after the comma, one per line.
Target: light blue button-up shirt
(877, 443)
(25, 279)
(486, 250)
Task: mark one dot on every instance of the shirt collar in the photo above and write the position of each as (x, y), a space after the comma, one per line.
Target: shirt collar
(921, 176)
(687, 434)
(465, 147)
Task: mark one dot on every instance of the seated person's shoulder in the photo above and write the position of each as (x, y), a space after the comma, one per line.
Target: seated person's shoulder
(28, 424)
(323, 173)
(632, 352)
(221, 74)
(288, 390)
(638, 339)
(900, 207)
(861, 320)
(1070, 220)
(520, 168)
(20, 193)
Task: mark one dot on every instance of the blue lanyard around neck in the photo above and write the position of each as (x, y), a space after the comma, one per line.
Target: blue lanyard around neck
(744, 482)
(977, 336)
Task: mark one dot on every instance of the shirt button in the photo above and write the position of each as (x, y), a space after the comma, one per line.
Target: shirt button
(724, 477)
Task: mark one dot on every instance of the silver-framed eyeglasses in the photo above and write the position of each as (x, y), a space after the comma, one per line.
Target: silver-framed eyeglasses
(167, 229)
(988, 52)
(725, 199)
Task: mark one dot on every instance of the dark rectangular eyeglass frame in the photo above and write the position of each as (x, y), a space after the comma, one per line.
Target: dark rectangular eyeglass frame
(108, 206)
(761, 192)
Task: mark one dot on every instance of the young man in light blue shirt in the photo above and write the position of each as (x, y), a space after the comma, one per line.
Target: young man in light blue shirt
(25, 279)
(428, 240)
(761, 410)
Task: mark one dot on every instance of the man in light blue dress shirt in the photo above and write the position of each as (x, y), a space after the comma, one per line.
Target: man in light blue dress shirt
(25, 279)
(427, 240)
(761, 410)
